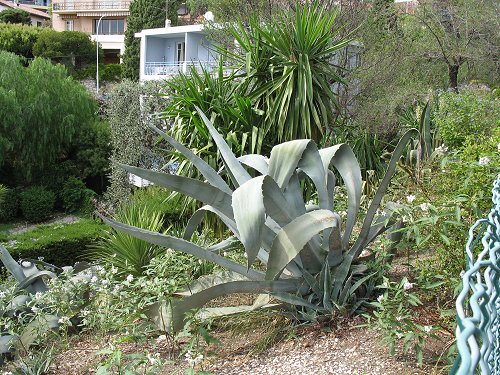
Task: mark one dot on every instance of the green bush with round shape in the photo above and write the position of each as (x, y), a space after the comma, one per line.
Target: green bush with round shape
(37, 203)
(75, 195)
(472, 112)
(9, 205)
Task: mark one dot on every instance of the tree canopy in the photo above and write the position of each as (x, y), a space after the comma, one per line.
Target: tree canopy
(15, 16)
(71, 48)
(19, 39)
(42, 110)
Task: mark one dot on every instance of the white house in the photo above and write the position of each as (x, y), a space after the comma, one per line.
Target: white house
(168, 50)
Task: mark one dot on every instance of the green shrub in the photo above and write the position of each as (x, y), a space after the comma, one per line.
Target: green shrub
(16, 15)
(9, 205)
(157, 199)
(111, 72)
(129, 254)
(107, 72)
(37, 203)
(75, 195)
(58, 244)
(469, 113)
(18, 39)
(74, 49)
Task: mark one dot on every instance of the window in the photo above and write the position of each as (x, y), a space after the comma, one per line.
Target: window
(110, 27)
(181, 47)
(69, 26)
(38, 23)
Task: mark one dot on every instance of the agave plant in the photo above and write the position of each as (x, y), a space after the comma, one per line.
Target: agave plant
(309, 254)
(30, 279)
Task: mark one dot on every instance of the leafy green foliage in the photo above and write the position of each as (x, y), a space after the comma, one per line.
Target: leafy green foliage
(75, 195)
(128, 254)
(33, 306)
(38, 126)
(58, 244)
(74, 49)
(144, 14)
(289, 70)
(91, 151)
(157, 199)
(393, 315)
(467, 114)
(19, 39)
(107, 72)
(130, 140)
(9, 205)
(37, 203)
(15, 16)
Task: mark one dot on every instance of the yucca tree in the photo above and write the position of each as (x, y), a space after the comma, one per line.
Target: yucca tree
(307, 251)
(288, 65)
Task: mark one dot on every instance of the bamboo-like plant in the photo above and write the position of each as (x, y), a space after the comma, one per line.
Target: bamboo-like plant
(307, 251)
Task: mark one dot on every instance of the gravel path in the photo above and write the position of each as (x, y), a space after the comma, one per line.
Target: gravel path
(356, 352)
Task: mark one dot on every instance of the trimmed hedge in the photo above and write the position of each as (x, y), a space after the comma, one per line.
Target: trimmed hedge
(37, 203)
(58, 244)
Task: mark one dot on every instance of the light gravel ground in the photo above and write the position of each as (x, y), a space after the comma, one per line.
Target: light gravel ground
(357, 352)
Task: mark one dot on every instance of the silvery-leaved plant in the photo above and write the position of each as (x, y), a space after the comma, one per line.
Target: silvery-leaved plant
(29, 299)
(308, 252)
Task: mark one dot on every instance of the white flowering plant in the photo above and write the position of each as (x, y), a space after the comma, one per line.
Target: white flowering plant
(394, 315)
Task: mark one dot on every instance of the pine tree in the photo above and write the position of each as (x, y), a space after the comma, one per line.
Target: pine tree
(144, 14)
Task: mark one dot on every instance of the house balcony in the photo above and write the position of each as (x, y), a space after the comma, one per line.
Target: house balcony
(90, 6)
(161, 70)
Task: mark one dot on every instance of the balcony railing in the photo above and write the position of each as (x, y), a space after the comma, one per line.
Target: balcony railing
(90, 5)
(169, 68)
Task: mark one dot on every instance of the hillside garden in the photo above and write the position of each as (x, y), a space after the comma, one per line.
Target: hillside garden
(285, 226)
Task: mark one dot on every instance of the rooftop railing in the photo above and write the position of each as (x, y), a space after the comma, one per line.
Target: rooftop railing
(170, 68)
(90, 5)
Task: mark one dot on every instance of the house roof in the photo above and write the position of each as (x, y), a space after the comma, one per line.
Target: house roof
(28, 8)
(172, 30)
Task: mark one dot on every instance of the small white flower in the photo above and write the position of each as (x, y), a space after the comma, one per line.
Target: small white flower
(38, 295)
(399, 318)
(462, 273)
(408, 285)
(2, 294)
(63, 320)
(427, 329)
(93, 279)
(161, 338)
(441, 150)
(380, 298)
(410, 198)
(35, 309)
(404, 219)
(425, 207)
(114, 270)
(130, 278)
(153, 358)
(484, 160)
(383, 213)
